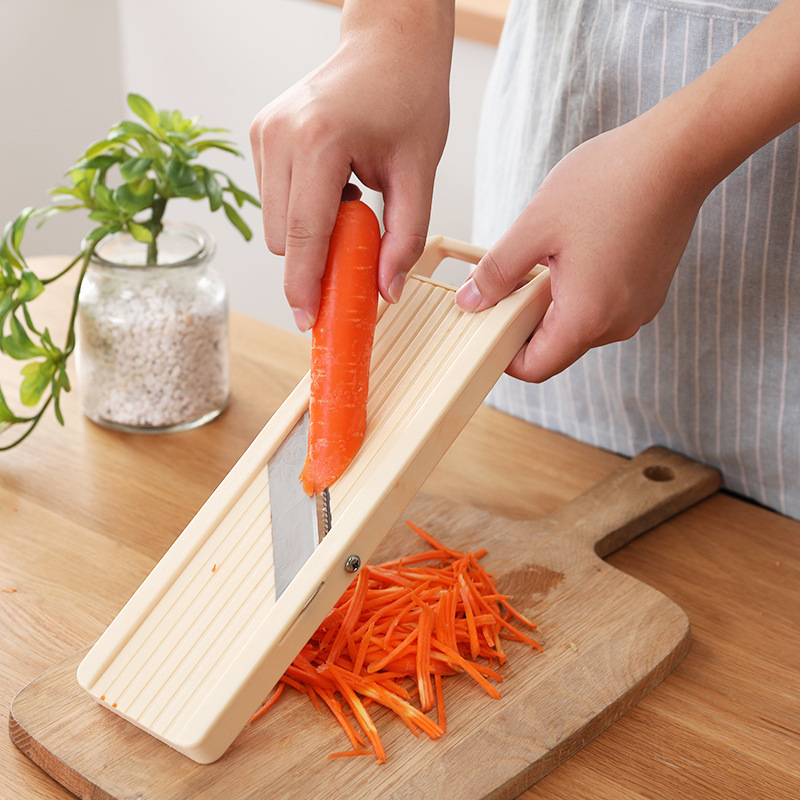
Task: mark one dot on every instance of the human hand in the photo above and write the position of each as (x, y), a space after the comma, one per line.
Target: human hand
(611, 221)
(379, 108)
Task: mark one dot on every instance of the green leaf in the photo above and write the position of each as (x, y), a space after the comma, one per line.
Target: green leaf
(57, 407)
(128, 128)
(103, 161)
(104, 215)
(104, 230)
(18, 344)
(183, 153)
(63, 378)
(6, 304)
(59, 208)
(233, 215)
(134, 197)
(197, 131)
(104, 197)
(166, 119)
(135, 168)
(7, 416)
(213, 189)
(100, 147)
(37, 377)
(218, 144)
(177, 136)
(18, 228)
(29, 286)
(142, 108)
(60, 382)
(140, 232)
(241, 196)
(183, 179)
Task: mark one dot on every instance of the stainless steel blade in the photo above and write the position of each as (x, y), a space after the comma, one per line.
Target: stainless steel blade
(295, 532)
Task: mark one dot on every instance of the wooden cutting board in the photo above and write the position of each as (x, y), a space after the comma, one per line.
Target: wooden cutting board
(608, 640)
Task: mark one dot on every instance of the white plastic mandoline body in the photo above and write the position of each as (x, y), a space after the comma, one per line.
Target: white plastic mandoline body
(203, 640)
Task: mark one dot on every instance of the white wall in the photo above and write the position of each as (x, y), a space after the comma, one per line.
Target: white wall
(60, 90)
(223, 61)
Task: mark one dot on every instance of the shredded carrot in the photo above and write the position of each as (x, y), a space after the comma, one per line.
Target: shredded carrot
(421, 618)
(271, 702)
(440, 713)
(350, 753)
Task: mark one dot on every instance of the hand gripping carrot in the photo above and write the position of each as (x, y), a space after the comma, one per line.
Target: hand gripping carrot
(341, 346)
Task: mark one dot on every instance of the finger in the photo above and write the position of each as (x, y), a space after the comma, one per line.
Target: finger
(314, 199)
(255, 146)
(274, 192)
(272, 161)
(554, 345)
(406, 215)
(500, 271)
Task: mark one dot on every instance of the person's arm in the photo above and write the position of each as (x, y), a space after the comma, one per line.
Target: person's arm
(613, 218)
(379, 108)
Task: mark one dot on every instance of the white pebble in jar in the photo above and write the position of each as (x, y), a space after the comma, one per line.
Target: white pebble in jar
(153, 340)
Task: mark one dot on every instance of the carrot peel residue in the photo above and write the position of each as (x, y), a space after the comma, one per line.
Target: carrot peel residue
(412, 620)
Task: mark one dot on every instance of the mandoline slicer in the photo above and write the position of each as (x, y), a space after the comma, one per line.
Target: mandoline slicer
(201, 643)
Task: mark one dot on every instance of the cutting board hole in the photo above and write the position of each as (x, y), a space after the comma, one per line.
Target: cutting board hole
(659, 473)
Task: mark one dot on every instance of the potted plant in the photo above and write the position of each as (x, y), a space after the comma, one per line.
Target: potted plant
(132, 266)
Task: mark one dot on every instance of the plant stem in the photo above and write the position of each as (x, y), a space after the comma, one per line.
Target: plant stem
(64, 271)
(69, 345)
(159, 205)
(34, 422)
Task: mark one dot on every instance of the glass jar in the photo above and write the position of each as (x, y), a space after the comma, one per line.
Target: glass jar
(152, 348)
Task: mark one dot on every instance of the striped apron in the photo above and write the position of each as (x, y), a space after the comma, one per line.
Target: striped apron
(716, 375)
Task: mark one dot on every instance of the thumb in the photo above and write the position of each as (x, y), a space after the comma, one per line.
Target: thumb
(554, 345)
(501, 270)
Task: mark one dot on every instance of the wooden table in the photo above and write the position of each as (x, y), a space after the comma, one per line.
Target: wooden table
(86, 512)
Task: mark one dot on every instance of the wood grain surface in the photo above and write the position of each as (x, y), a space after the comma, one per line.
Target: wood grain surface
(608, 640)
(86, 512)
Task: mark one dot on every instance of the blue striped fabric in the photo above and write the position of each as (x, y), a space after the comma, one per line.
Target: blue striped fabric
(716, 375)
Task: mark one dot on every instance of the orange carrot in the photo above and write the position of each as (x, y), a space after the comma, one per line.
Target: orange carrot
(341, 346)
(424, 659)
(350, 753)
(419, 619)
(441, 717)
(271, 702)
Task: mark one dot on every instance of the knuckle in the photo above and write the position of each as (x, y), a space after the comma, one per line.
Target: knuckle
(416, 245)
(492, 273)
(259, 127)
(300, 235)
(313, 129)
(255, 132)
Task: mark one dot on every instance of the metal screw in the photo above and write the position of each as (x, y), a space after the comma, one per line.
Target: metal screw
(352, 564)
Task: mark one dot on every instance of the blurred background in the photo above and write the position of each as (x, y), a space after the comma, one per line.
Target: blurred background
(66, 66)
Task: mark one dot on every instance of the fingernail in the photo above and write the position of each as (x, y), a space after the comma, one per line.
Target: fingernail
(396, 286)
(301, 319)
(468, 297)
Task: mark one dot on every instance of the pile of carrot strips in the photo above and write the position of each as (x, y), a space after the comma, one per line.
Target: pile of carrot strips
(417, 618)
